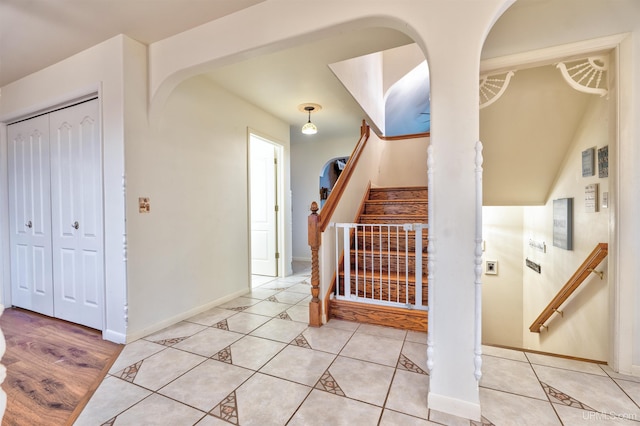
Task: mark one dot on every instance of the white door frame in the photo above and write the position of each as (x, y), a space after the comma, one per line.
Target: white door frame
(280, 232)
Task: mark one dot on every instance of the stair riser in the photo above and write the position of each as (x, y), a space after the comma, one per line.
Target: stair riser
(405, 319)
(398, 194)
(413, 208)
(385, 263)
(386, 291)
(392, 220)
(388, 242)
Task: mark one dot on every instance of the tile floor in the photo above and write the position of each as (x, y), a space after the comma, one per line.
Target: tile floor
(254, 361)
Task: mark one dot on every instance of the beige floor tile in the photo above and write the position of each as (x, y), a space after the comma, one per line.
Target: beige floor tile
(502, 408)
(393, 418)
(206, 385)
(576, 417)
(302, 287)
(616, 375)
(598, 392)
(568, 364)
(180, 330)
(408, 394)
(261, 293)
(163, 367)
(158, 410)
(253, 352)
(504, 353)
(281, 330)
(245, 323)
(267, 308)
(208, 342)
(510, 376)
(134, 352)
(363, 381)
(256, 404)
(327, 339)
(299, 313)
(111, 398)
(368, 347)
(416, 353)
(211, 316)
(342, 324)
(388, 332)
(289, 297)
(239, 302)
(210, 420)
(323, 408)
(299, 365)
(632, 389)
(258, 280)
(416, 337)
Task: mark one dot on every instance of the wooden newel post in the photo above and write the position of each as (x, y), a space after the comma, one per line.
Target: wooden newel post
(315, 307)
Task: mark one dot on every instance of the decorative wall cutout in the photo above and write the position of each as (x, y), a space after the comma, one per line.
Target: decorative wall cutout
(493, 86)
(587, 75)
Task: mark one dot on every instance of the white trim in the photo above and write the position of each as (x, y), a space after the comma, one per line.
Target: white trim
(184, 315)
(114, 336)
(535, 58)
(446, 404)
(301, 259)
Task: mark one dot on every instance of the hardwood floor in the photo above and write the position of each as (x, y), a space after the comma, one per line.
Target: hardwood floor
(53, 367)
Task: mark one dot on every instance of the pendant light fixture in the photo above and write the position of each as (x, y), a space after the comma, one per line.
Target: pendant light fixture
(309, 128)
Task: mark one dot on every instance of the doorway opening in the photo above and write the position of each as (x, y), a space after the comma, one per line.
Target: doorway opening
(265, 178)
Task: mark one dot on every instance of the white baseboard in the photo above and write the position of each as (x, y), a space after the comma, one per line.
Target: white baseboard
(182, 316)
(114, 336)
(456, 407)
(301, 259)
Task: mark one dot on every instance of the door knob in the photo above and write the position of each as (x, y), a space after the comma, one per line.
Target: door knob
(75, 225)
(29, 225)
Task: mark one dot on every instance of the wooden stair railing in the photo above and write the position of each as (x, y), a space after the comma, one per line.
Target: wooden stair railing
(587, 267)
(317, 223)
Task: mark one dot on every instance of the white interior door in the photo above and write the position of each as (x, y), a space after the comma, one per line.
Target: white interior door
(30, 215)
(76, 212)
(264, 243)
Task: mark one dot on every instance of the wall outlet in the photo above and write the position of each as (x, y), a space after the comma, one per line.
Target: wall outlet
(491, 267)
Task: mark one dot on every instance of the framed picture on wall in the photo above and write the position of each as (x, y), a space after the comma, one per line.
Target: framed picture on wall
(563, 223)
(603, 162)
(588, 162)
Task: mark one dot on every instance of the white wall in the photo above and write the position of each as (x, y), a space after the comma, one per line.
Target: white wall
(502, 293)
(192, 250)
(583, 330)
(308, 155)
(402, 163)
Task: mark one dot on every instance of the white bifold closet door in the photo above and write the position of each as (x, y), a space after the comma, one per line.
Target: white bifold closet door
(74, 195)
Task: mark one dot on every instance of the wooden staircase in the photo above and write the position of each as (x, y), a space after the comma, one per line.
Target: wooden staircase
(393, 260)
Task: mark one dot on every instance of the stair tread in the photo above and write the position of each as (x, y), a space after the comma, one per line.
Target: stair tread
(398, 188)
(396, 216)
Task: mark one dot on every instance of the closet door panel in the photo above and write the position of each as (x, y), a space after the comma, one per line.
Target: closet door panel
(30, 215)
(76, 193)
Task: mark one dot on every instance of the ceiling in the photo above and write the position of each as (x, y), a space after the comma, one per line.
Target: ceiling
(525, 142)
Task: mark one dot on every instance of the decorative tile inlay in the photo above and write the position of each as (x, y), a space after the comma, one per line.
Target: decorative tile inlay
(109, 422)
(224, 355)
(329, 384)
(171, 342)
(227, 410)
(405, 363)
(301, 341)
(483, 422)
(564, 398)
(239, 308)
(222, 325)
(129, 373)
(272, 299)
(284, 316)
